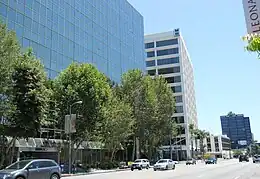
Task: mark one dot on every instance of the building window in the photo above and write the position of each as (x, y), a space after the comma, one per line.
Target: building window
(150, 54)
(150, 63)
(176, 89)
(165, 71)
(179, 119)
(166, 42)
(178, 99)
(178, 109)
(167, 51)
(168, 70)
(151, 72)
(175, 79)
(149, 45)
(167, 61)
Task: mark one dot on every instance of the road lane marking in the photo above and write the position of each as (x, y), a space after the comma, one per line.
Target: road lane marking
(237, 177)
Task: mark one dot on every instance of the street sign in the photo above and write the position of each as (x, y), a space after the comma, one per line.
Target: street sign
(73, 123)
(70, 124)
(252, 15)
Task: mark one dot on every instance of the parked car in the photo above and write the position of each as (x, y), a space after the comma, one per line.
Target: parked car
(243, 158)
(164, 164)
(256, 159)
(140, 164)
(211, 161)
(191, 162)
(32, 169)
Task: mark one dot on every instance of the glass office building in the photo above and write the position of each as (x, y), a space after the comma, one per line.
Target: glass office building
(237, 128)
(106, 33)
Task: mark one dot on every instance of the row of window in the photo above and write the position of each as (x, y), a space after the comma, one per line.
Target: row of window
(178, 109)
(176, 89)
(164, 61)
(161, 43)
(163, 52)
(178, 120)
(169, 70)
(175, 79)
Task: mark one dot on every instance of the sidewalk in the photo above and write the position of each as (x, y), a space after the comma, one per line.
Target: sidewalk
(95, 172)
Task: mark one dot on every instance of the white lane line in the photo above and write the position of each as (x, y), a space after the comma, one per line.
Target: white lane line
(237, 177)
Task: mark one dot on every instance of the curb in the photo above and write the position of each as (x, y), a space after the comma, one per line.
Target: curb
(93, 173)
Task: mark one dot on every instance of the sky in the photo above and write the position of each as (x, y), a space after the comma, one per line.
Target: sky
(227, 78)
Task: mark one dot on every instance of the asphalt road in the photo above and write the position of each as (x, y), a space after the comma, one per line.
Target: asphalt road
(230, 169)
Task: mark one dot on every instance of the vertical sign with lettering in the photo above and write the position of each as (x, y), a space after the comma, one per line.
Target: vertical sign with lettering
(252, 15)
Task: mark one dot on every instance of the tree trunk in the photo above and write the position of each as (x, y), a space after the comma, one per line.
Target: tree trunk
(192, 148)
(113, 154)
(12, 153)
(74, 156)
(137, 148)
(6, 151)
(133, 151)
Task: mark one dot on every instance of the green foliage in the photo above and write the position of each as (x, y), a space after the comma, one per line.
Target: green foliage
(237, 152)
(117, 124)
(82, 82)
(29, 96)
(9, 53)
(152, 103)
(253, 43)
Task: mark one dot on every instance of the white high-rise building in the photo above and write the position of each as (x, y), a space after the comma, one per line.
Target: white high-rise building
(167, 56)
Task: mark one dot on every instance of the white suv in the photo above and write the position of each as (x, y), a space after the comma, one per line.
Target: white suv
(140, 164)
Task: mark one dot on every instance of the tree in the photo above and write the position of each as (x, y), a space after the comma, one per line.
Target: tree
(117, 124)
(82, 82)
(9, 53)
(192, 138)
(152, 103)
(28, 96)
(202, 134)
(253, 43)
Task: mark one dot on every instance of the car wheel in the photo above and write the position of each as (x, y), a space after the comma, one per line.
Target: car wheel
(19, 177)
(173, 167)
(55, 176)
(132, 169)
(140, 168)
(154, 169)
(147, 167)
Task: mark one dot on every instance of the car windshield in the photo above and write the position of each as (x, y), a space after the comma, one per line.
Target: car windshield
(138, 161)
(162, 161)
(18, 165)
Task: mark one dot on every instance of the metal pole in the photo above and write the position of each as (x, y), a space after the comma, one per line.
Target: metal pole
(70, 143)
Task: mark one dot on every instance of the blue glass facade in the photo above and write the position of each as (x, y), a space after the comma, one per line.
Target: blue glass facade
(238, 129)
(107, 33)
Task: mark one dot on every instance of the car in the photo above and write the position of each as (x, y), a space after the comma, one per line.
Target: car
(164, 164)
(256, 159)
(211, 161)
(32, 169)
(191, 162)
(243, 158)
(140, 164)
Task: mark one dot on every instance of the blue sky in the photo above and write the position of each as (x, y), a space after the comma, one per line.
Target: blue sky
(227, 78)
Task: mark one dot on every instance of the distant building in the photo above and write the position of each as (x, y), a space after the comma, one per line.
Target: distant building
(219, 145)
(168, 57)
(237, 128)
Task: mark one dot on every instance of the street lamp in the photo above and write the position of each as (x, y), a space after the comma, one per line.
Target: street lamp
(70, 152)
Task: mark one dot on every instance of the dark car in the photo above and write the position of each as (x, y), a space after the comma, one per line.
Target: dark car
(243, 158)
(32, 169)
(211, 161)
(191, 162)
(256, 159)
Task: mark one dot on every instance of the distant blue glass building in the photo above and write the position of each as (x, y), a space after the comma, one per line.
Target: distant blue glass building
(238, 129)
(107, 33)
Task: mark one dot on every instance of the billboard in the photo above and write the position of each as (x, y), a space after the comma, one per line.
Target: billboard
(252, 15)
